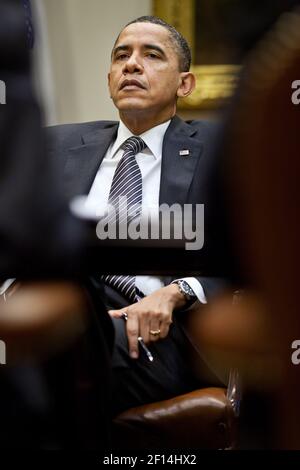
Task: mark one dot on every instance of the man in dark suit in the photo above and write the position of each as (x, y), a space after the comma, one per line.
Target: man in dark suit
(163, 163)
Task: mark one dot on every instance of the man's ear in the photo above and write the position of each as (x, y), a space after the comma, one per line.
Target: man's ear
(187, 84)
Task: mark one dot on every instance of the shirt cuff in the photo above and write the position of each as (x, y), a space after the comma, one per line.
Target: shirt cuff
(196, 286)
(6, 285)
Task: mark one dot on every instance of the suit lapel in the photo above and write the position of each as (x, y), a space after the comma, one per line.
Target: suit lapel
(177, 171)
(83, 161)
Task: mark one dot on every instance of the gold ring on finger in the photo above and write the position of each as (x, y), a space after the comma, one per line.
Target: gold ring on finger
(154, 332)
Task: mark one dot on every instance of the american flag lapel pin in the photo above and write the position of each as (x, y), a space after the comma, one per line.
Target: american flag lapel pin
(184, 153)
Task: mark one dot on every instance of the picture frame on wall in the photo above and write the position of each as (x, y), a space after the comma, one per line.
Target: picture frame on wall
(213, 53)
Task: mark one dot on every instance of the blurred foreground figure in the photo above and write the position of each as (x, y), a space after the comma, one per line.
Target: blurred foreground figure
(51, 343)
(37, 232)
(256, 333)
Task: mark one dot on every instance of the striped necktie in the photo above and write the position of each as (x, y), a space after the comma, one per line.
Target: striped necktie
(127, 185)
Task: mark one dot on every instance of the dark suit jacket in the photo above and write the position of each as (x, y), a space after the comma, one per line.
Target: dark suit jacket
(79, 149)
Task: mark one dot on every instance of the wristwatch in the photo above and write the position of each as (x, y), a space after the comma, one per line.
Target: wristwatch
(187, 291)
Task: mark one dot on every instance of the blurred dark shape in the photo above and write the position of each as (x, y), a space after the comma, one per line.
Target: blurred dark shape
(29, 23)
(54, 337)
(13, 44)
(260, 176)
(55, 350)
(265, 131)
(38, 235)
(226, 30)
(246, 21)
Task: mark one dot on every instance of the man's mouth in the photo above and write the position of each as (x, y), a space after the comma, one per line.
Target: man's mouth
(131, 85)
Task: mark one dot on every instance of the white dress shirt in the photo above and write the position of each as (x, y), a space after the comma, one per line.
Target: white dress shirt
(149, 161)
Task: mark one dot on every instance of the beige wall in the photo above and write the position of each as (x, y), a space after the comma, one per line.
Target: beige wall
(80, 36)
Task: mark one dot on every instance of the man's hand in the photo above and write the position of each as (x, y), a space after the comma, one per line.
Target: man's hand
(152, 313)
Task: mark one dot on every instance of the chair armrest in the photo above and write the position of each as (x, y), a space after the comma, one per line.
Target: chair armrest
(202, 419)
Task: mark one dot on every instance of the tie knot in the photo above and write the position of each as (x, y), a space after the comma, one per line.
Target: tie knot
(135, 144)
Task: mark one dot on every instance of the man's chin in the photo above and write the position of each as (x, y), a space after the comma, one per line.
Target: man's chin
(131, 104)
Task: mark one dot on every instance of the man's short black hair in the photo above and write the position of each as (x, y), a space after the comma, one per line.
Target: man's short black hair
(180, 43)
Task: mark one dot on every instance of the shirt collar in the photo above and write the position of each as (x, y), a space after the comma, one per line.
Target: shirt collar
(153, 138)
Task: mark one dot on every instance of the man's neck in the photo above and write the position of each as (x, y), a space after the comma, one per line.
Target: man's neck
(140, 123)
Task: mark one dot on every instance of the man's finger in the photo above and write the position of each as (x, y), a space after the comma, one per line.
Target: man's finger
(115, 313)
(164, 329)
(154, 329)
(132, 327)
(144, 328)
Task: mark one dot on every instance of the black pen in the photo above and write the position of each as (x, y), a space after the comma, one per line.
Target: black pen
(141, 341)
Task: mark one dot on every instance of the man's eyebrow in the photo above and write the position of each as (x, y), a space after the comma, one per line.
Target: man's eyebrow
(155, 48)
(145, 46)
(120, 48)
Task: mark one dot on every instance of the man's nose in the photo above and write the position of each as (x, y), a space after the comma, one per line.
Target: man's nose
(133, 65)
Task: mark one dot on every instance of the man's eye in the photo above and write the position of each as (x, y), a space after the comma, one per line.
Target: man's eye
(121, 56)
(153, 56)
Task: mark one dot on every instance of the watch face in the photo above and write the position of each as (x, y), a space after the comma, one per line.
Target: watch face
(187, 289)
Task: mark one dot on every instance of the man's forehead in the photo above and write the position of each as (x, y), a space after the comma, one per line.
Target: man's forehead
(144, 32)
